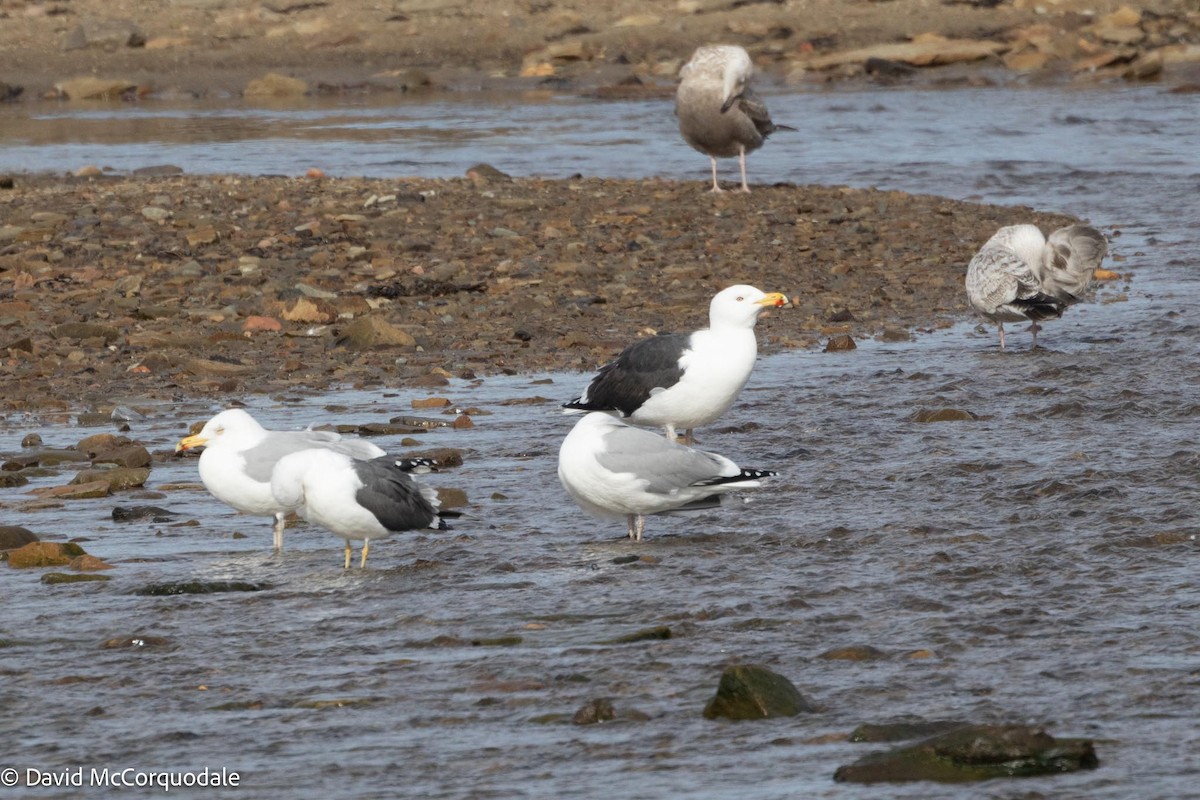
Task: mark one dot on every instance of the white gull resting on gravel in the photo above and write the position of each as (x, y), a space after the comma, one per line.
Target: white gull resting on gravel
(357, 500)
(617, 471)
(719, 114)
(1019, 274)
(684, 380)
(240, 454)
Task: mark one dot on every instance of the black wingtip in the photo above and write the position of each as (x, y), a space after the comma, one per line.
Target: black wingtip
(418, 465)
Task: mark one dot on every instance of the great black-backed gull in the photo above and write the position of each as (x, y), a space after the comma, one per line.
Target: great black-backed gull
(239, 455)
(718, 112)
(357, 500)
(684, 380)
(1020, 274)
(614, 470)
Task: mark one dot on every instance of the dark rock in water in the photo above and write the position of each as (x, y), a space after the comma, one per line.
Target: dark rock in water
(200, 587)
(973, 753)
(900, 731)
(9, 480)
(70, 577)
(598, 710)
(31, 440)
(133, 513)
(44, 554)
(14, 536)
(942, 415)
(749, 691)
(862, 652)
(840, 343)
(117, 479)
(645, 635)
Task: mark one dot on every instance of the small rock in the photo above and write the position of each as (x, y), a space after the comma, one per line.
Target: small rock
(486, 173)
(132, 456)
(81, 491)
(275, 85)
(44, 554)
(854, 653)
(974, 753)
(200, 587)
(753, 692)
(134, 513)
(839, 343)
(657, 633)
(594, 711)
(942, 415)
(899, 731)
(256, 323)
(68, 577)
(88, 563)
(309, 310)
(156, 214)
(31, 440)
(14, 536)
(116, 479)
(431, 402)
(89, 88)
(368, 333)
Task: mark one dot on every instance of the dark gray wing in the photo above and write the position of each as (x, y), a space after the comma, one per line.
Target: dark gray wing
(393, 497)
(624, 384)
(753, 107)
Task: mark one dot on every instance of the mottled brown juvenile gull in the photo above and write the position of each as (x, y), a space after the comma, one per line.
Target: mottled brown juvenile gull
(1019, 274)
(614, 470)
(684, 380)
(357, 500)
(718, 112)
(239, 455)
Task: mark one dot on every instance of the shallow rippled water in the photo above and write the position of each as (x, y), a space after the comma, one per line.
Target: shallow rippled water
(1041, 553)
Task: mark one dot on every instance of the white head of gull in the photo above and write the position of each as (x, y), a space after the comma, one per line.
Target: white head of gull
(684, 380)
(357, 500)
(718, 112)
(240, 454)
(1019, 274)
(613, 470)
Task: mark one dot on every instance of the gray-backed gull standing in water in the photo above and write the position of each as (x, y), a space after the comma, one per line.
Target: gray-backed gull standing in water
(617, 471)
(239, 455)
(1020, 274)
(684, 380)
(719, 114)
(357, 500)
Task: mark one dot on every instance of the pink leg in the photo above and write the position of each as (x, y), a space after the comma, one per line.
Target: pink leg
(1001, 326)
(716, 186)
(742, 163)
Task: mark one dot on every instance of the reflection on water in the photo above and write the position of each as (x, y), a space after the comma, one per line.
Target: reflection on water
(1032, 565)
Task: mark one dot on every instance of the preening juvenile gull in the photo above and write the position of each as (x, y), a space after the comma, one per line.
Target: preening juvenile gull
(1019, 274)
(239, 455)
(718, 112)
(614, 470)
(357, 500)
(684, 380)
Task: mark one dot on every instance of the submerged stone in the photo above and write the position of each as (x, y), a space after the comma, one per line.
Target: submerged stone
(973, 753)
(900, 731)
(132, 513)
(69, 577)
(200, 587)
(598, 710)
(748, 691)
(644, 635)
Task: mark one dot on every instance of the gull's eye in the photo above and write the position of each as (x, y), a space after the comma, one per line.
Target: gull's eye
(740, 298)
